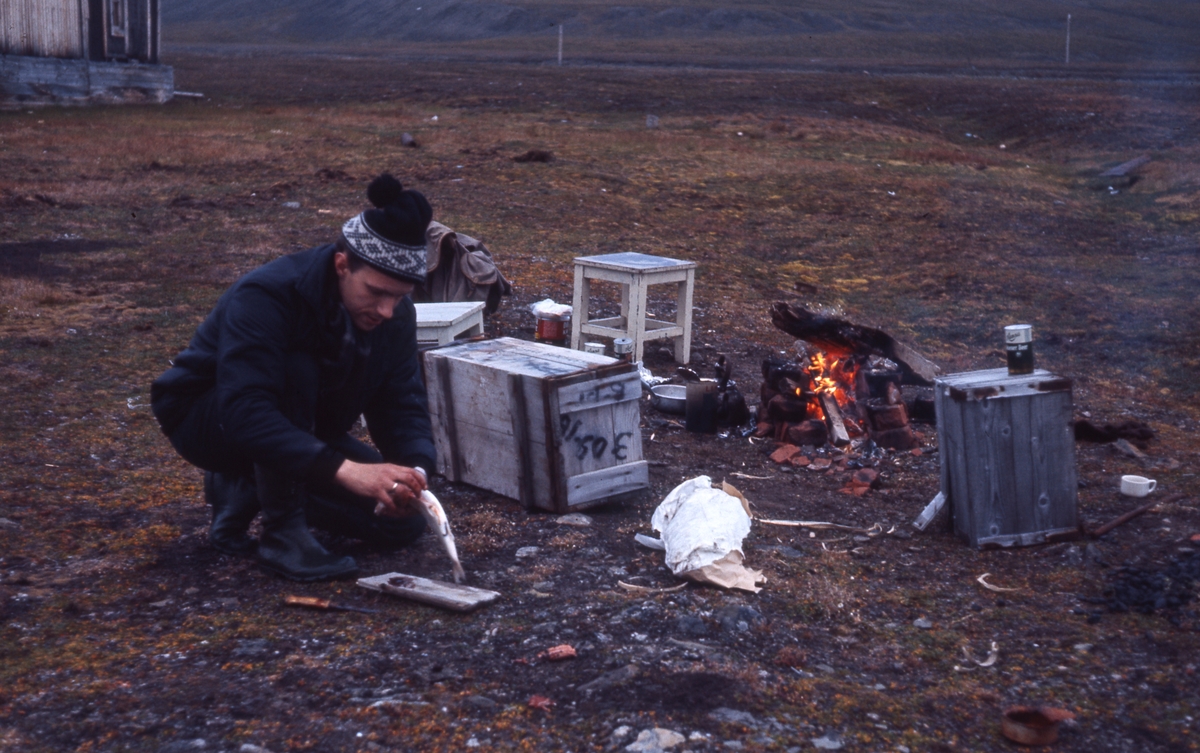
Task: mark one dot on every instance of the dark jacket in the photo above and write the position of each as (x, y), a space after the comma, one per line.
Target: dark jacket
(291, 375)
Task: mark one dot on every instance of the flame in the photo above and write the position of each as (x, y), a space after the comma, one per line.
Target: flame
(833, 377)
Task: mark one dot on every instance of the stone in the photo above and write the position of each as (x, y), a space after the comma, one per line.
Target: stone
(691, 625)
(654, 740)
(526, 551)
(828, 741)
(610, 679)
(740, 619)
(251, 748)
(726, 715)
(481, 702)
(922, 623)
(577, 519)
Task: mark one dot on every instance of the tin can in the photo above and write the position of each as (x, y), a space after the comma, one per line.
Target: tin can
(623, 346)
(551, 330)
(597, 348)
(1018, 344)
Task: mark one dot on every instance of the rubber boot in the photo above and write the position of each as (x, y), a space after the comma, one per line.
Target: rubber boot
(286, 546)
(234, 501)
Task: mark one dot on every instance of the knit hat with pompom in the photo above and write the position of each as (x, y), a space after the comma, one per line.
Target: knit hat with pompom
(391, 237)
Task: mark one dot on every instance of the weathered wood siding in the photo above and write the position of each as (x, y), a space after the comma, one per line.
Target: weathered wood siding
(43, 28)
(1007, 456)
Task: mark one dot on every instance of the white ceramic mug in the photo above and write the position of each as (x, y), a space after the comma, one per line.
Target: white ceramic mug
(1137, 486)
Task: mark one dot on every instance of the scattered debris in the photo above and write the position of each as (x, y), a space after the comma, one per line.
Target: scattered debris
(702, 528)
(535, 155)
(312, 602)
(1029, 725)
(648, 590)
(576, 519)
(558, 653)
(990, 587)
(1147, 591)
(541, 702)
(610, 679)
(874, 530)
(452, 596)
(930, 512)
(1123, 519)
(828, 741)
(1125, 167)
(655, 740)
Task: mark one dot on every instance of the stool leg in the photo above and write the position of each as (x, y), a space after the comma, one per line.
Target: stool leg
(579, 306)
(683, 317)
(636, 324)
(625, 306)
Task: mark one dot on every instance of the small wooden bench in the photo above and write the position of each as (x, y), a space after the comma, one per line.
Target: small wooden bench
(442, 322)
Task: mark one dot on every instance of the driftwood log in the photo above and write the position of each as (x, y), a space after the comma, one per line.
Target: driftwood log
(841, 338)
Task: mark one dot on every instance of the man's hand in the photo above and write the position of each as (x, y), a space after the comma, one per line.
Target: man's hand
(394, 488)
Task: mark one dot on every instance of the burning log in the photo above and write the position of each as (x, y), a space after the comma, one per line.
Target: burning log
(841, 338)
(833, 419)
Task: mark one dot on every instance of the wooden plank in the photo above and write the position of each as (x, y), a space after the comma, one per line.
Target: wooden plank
(451, 596)
(833, 418)
(596, 393)
(607, 482)
(520, 428)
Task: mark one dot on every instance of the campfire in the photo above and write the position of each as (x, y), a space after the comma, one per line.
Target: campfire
(841, 386)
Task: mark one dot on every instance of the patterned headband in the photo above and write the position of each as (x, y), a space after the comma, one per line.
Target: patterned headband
(387, 256)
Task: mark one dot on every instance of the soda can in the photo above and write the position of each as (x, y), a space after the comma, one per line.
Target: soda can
(1018, 344)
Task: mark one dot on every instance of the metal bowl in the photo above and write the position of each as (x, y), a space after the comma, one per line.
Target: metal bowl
(669, 398)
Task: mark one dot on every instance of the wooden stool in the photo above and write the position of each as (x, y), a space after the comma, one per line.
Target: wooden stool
(635, 272)
(442, 322)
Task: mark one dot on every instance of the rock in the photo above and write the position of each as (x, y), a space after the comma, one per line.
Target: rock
(249, 748)
(828, 741)
(577, 519)
(691, 625)
(480, 702)
(292, 204)
(526, 551)
(652, 121)
(725, 715)
(654, 740)
(825, 668)
(821, 463)
(1125, 447)
(6, 523)
(611, 679)
(182, 746)
(922, 623)
(739, 619)
(406, 139)
(902, 535)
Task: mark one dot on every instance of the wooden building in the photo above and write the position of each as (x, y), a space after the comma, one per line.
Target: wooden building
(81, 51)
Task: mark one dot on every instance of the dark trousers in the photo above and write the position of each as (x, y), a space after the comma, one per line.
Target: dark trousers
(328, 506)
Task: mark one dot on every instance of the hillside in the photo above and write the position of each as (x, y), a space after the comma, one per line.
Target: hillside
(1017, 32)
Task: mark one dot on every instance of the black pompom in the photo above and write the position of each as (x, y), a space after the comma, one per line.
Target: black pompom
(384, 191)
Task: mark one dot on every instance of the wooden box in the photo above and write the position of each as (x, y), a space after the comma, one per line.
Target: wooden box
(557, 429)
(1007, 451)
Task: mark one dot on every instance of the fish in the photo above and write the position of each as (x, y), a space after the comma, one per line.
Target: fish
(435, 516)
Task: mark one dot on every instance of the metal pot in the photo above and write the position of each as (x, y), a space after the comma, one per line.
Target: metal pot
(669, 398)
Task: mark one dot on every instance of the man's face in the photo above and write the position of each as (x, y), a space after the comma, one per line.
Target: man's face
(369, 295)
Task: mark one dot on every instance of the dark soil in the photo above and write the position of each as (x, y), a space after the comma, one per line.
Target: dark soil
(122, 630)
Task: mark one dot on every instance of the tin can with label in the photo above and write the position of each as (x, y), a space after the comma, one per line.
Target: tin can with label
(1018, 344)
(623, 348)
(597, 348)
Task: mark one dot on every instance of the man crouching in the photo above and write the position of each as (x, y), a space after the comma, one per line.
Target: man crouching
(265, 394)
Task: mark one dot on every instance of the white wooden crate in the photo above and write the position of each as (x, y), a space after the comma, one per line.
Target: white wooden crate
(557, 429)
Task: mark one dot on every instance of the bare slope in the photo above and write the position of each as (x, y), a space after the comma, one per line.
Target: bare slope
(1016, 30)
